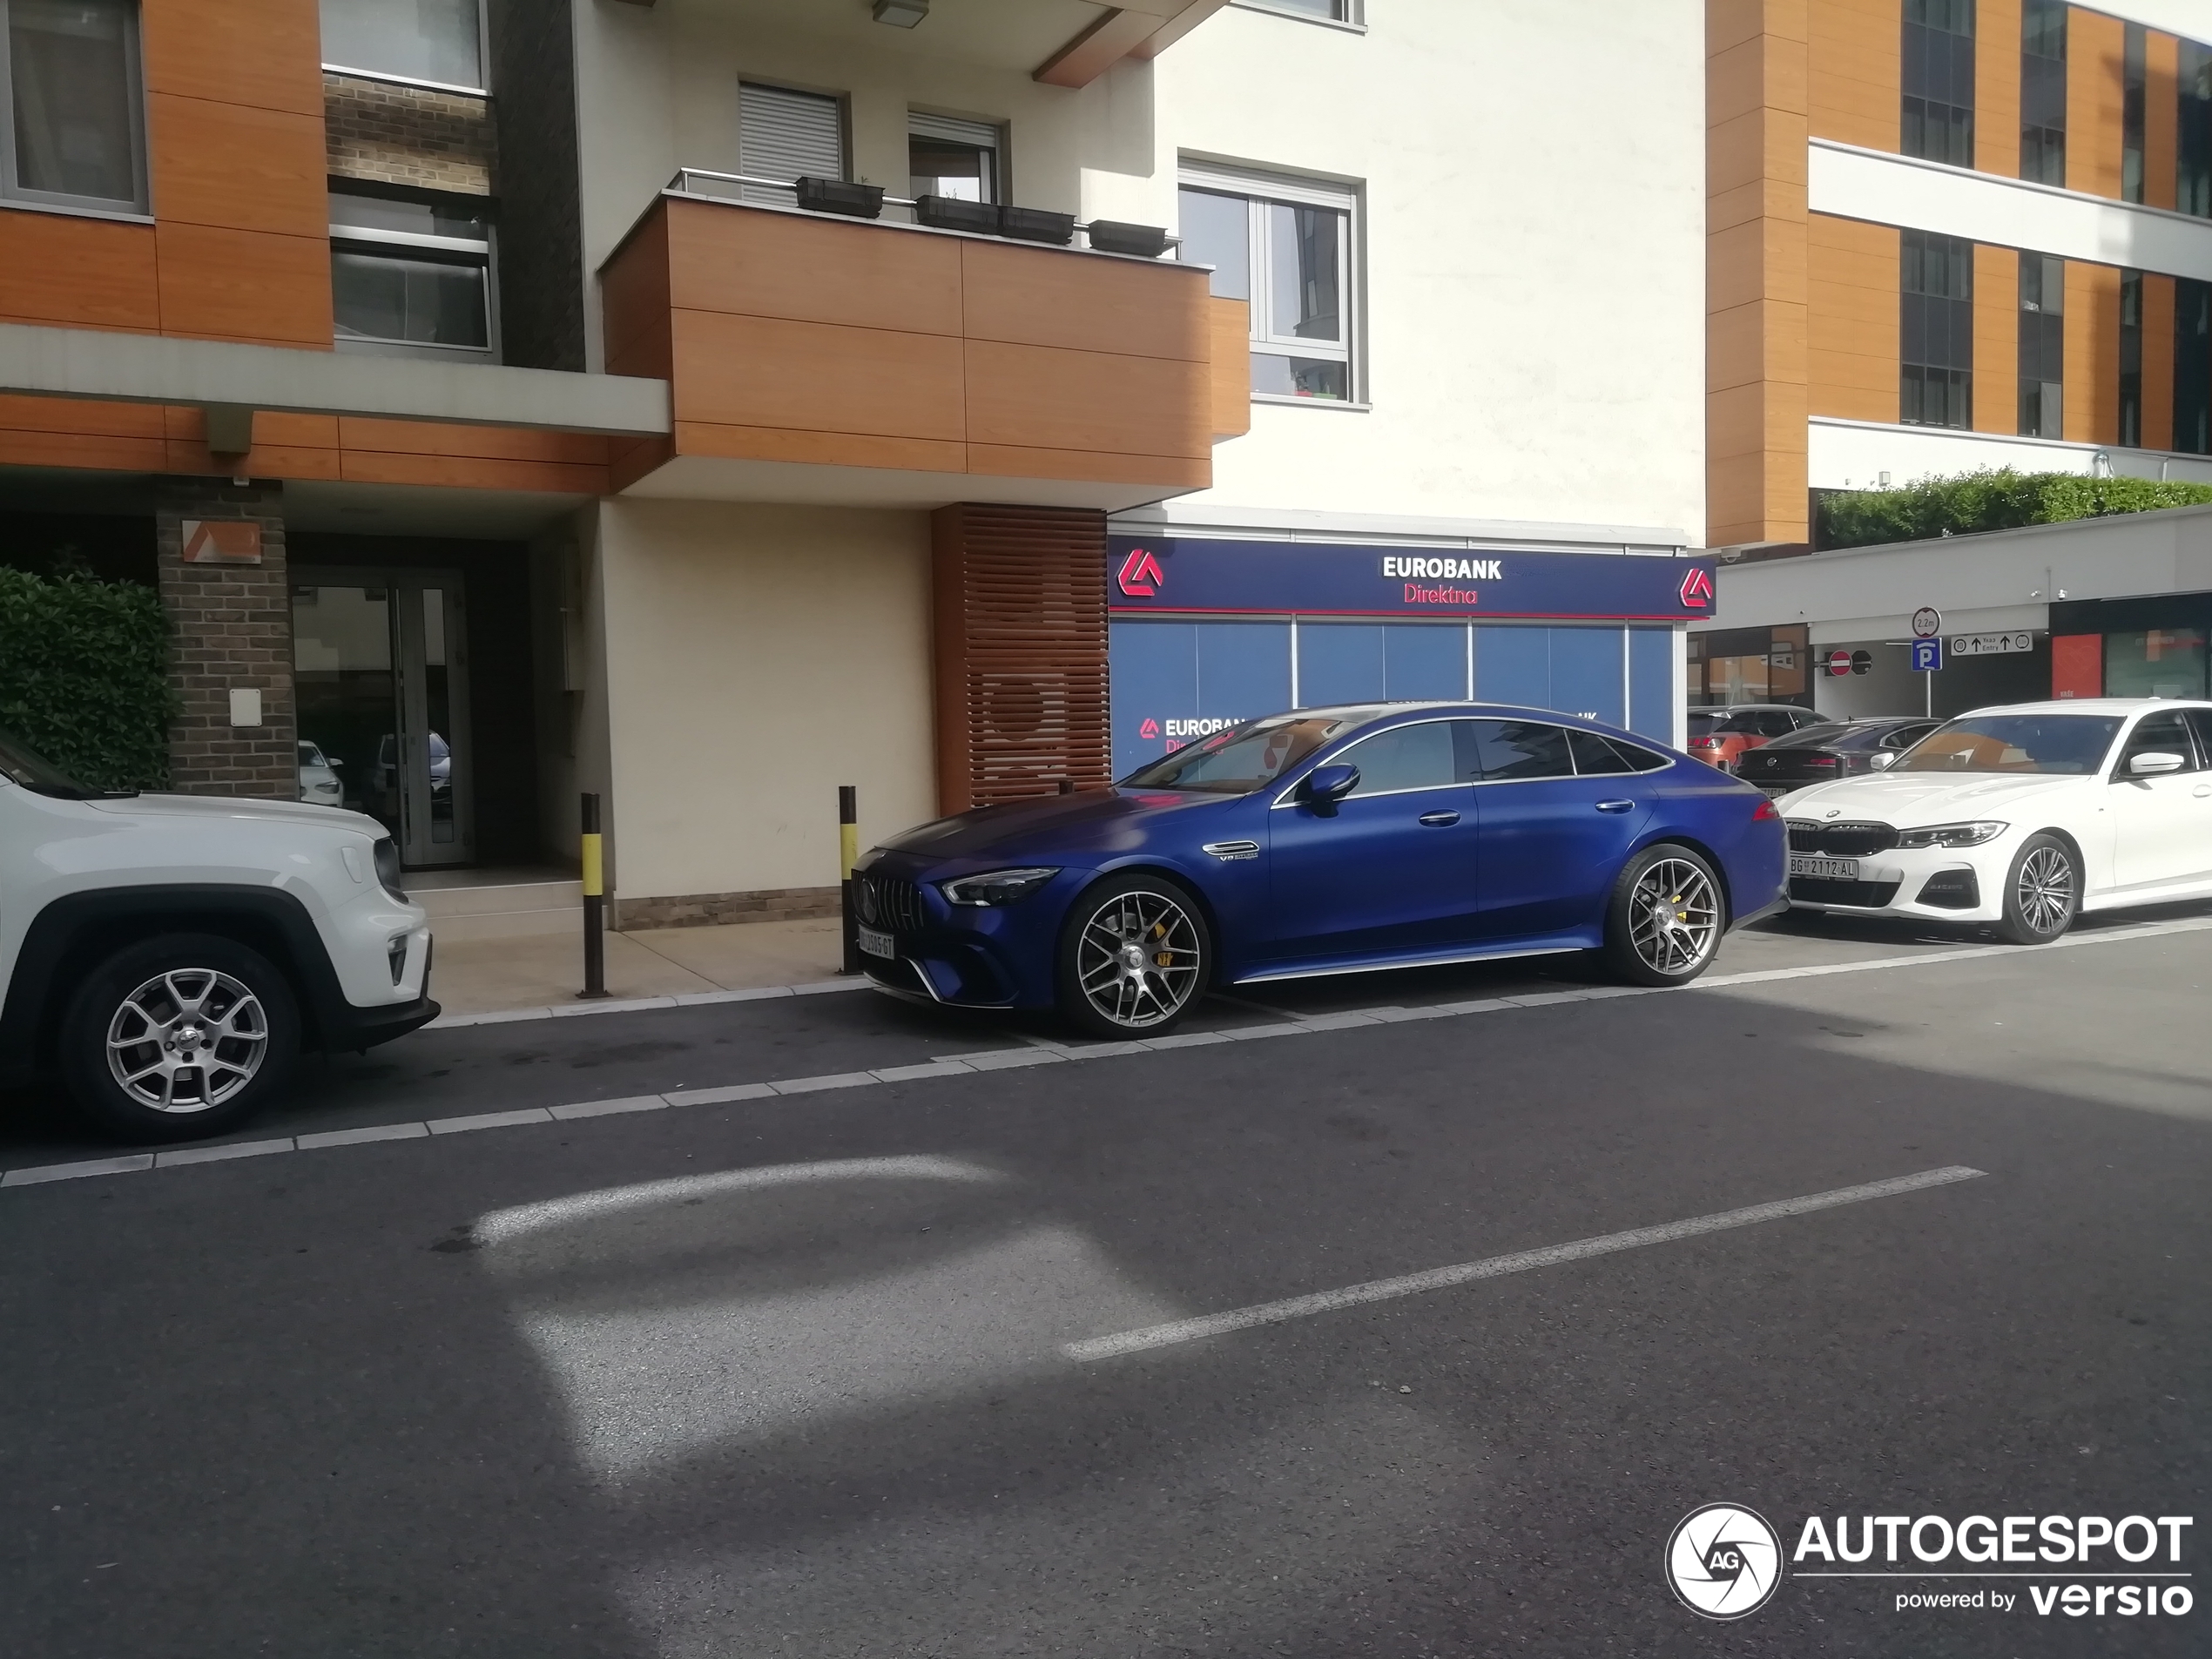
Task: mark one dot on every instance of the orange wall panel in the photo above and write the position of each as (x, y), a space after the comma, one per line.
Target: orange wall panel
(81, 451)
(2158, 361)
(1132, 309)
(818, 448)
(1854, 57)
(265, 54)
(634, 301)
(2094, 85)
(1014, 461)
(2092, 412)
(239, 168)
(1997, 338)
(1997, 89)
(817, 377)
(77, 272)
(1850, 319)
(1043, 397)
(68, 414)
(1230, 367)
(357, 433)
(244, 285)
(2161, 88)
(758, 263)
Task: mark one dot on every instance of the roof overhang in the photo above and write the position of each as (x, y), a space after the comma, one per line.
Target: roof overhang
(1141, 28)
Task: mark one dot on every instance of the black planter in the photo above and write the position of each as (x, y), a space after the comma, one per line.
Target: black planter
(836, 196)
(1034, 225)
(1142, 241)
(950, 213)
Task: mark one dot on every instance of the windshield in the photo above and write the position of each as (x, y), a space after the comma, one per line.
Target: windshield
(21, 763)
(1247, 756)
(2014, 743)
(1832, 737)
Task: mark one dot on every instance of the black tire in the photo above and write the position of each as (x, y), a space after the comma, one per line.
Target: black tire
(1664, 922)
(1135, 954)
(236, 1057)
(2042, 891)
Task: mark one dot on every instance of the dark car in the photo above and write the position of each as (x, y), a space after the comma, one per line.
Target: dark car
(1324, 842)
(1721, 737)
(1821, 754)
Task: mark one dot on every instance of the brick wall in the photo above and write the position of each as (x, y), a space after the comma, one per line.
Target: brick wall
(233, 628)
(713, 909)
(408, 135)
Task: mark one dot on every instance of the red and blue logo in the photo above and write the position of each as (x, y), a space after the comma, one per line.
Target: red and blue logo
(1141, 577)
(1697, 589)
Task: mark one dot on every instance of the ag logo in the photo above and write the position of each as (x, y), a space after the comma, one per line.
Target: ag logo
(1697, 591)
(1148, 730)
(1723, 1561)
(1141, 577)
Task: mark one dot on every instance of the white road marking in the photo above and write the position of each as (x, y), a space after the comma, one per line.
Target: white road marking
(1437, 1278)
(688, 1000)
(361, 1136)
(221, 1154)
(71, 1171)
(489, 1120)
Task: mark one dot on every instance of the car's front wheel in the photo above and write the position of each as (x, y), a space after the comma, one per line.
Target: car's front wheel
(1135, 954)
(2042, 891)
(1663, 924)
(183, 1036)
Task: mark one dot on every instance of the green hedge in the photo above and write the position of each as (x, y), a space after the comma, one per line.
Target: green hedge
(85, 676)
(1988, 501)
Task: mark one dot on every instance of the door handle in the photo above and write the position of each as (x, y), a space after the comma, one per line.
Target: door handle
(2202, 790)
(1439, 820)
(1616, 805)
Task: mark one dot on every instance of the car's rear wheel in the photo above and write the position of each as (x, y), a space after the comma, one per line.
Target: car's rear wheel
(1135, 954)
(2042, 891)
(1664, 921)
(183, 1036)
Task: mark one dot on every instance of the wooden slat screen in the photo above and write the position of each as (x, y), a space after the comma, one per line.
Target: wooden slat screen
(1020, 595)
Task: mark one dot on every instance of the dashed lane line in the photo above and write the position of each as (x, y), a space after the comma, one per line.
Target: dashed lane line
(1036, 1054)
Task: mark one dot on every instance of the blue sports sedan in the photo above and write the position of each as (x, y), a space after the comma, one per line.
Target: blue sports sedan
(1324, 842)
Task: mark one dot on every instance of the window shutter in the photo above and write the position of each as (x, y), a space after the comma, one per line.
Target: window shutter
(782, 134)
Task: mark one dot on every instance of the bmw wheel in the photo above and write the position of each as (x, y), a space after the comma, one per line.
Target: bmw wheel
(1135, 953)
(180, 1037)
(2042, 891)
(1664, 921)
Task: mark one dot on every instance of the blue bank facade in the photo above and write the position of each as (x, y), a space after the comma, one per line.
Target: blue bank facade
(1205, 632)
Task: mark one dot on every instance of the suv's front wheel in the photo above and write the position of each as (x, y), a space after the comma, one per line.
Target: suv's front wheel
(179, 1038)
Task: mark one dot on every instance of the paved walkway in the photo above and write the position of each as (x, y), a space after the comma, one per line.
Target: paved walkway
(499, 975)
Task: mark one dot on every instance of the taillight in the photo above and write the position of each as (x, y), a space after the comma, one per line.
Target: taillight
(1765, 811)
(1820, 760)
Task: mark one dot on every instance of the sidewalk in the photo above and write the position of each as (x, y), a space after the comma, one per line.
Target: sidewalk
(498, 975)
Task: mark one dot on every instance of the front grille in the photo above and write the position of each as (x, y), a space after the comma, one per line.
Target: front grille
(1841, 841)
(1871, 894)
(891, 903)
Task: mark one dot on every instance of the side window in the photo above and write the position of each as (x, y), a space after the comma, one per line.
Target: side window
(70, 131)
(1778, 723)
(1638, 758)
(1593, 756)
(1516, 749)
(2157, 734)
(1406, 757)
(1906, 736)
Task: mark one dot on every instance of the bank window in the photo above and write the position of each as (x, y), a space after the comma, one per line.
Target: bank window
(1936, 336)
(785, 135)
(1284, 248)
(1938, 80)
(439, 42)
(73, 135)
(2042, 347)
(2193, 136)
(952, 158)
(2043, 92)
(411, 274)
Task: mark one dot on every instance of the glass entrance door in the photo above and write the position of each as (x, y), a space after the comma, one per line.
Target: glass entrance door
(382, 686)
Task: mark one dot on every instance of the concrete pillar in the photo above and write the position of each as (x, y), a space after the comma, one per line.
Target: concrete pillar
(233, 619)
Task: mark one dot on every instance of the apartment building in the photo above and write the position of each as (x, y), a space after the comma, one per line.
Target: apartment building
(711, 403)
(1946, 235)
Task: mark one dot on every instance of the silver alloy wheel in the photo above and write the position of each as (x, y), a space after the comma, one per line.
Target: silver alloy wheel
(1138, 959)
(187, 1040)
(1673, 916)
(2043, 889)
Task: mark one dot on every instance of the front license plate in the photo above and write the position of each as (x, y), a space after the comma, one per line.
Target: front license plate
(876, 944)
(1825, 869)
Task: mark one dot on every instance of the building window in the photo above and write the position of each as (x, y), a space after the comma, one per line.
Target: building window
(1326, 11)
(410, 274)
(438, 41)
(1936, 333)
(2131, 358)
(949, 158)
(73, 135)
(1285, 246)
(1939, 80)
(2043, 92)
(787, 135)
(2042, 362)
(2193, 367)
(2194, 131)
(2134, 97)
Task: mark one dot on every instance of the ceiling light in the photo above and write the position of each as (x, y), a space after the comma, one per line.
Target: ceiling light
(901, 14)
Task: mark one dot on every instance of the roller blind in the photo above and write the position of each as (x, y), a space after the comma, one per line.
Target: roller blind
(782, 134)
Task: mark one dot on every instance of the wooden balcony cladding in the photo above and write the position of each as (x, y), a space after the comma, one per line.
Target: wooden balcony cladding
(1232, 321)
(791, 338)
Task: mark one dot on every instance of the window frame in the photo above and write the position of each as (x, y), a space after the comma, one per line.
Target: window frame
(1353, 22)
(1258, 189)
(13, 195)
(963, 130)
(483, 65)
(782, 196)
(461, 251)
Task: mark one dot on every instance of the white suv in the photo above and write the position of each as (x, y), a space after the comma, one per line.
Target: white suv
(170, 955)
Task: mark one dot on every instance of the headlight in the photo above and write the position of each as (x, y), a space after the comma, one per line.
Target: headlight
(387, 868)
(999, 887)
(1951, 835)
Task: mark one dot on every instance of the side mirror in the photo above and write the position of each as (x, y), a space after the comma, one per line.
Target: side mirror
(1883, 761)
(2157, 761)
(1326, 785)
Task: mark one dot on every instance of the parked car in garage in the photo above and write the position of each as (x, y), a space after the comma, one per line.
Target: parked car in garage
(1720, 737)
(1821, 754)
(2023, 817)
(1324, 842)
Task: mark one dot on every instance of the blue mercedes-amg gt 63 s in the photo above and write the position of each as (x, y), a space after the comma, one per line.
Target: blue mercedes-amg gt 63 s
(1325, 842)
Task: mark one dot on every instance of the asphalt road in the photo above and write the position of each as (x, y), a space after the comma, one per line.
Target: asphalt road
(791, 1375)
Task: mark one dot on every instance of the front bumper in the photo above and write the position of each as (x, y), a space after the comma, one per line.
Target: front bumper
(972, 956)
(1929, 884)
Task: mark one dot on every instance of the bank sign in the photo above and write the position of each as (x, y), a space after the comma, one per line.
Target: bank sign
(1186, 575)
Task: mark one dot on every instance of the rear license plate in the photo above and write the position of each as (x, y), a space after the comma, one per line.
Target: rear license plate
(1825, 869)
(876, 944)
(1776, 791)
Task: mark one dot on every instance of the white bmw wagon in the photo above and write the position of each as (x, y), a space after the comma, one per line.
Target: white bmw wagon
(2023, 817)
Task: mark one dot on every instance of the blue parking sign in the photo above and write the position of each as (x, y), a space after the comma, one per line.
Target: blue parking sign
(1927, 656)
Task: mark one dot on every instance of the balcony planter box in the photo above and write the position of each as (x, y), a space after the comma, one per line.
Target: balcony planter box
(836, 196)
(1141, 241)
(950, 213)
(1034, 225)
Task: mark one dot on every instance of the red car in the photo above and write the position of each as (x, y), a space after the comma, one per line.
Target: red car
(1719, 736)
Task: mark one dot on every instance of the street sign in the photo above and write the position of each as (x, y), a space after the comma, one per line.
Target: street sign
(1861, 661)
(1927, 623)
(1927, 656)
(1990, 645)
(1838, 663)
